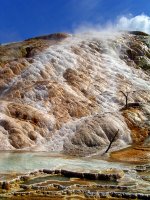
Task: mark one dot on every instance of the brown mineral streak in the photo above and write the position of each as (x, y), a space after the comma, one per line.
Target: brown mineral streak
(63, 86)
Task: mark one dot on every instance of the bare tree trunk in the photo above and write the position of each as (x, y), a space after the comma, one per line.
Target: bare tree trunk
(126, 98)
(113, 139)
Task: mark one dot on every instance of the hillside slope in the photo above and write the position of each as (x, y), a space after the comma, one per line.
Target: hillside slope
(62, 92)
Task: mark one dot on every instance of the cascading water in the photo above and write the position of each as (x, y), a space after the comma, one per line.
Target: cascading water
(66, 105)
(98, 58)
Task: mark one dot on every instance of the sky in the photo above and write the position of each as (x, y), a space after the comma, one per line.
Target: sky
(22, 19)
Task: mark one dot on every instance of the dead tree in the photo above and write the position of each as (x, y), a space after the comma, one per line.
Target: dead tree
(112, 140)
(126, 98)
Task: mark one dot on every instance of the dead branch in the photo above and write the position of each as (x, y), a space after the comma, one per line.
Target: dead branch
(113, 139)
(126, 98)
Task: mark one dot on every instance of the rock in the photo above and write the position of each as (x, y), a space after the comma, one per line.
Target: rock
(25, 178)
(6, 186)
(72, 174)
(47, 171)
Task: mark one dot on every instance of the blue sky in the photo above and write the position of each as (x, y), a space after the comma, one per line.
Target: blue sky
(22, 19)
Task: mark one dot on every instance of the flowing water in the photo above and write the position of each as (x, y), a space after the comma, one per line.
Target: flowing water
(98, 56)
(104, 68)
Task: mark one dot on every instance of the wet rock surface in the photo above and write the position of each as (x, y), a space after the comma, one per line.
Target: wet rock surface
(61, 92)
(64, 184)
(71, 94)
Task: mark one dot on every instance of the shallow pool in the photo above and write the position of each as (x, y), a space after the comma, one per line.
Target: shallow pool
(21, 162)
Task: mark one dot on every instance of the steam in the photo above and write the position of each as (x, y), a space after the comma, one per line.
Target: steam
(123, 23)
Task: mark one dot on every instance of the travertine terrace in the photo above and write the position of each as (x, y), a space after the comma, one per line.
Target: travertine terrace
(62, 92)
